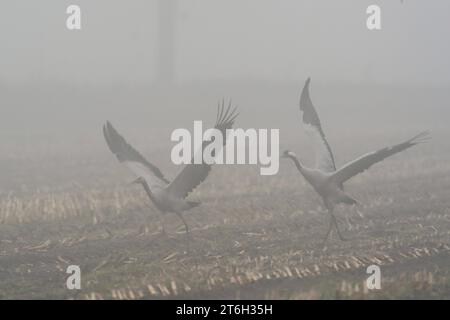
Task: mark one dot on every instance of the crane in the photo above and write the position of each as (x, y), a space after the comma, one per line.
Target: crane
(168, 197)
(324, 178)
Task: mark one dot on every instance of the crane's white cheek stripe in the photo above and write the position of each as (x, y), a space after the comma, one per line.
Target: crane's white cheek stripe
(251, 146)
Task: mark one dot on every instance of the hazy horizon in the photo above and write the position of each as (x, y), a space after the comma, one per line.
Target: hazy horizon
(233, 40)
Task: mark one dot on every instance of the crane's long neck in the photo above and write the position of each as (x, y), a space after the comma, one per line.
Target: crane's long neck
(306, 172)
(148, 191)
(298, 164)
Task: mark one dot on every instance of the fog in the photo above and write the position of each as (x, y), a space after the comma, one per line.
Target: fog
(56, 83)
(152, 66)
(251, 39)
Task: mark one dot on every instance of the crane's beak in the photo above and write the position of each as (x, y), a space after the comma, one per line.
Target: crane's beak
(135, 181)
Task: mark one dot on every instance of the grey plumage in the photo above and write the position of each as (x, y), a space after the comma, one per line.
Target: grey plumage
(324, 178)
(194, 174)
(167, 196)
(312, 125)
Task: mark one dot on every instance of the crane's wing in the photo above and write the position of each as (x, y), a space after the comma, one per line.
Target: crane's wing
(366, 161)
(194, 174)
(311, 123)
(132, 159)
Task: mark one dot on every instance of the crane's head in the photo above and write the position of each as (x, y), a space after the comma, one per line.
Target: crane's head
(139, 180)
(288, 154)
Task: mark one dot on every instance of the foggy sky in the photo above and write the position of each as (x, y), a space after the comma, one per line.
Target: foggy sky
(226, 40)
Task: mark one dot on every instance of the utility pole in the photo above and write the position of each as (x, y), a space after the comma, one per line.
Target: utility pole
(166, 42)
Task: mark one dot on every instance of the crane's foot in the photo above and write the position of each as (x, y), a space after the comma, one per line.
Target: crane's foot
(143, 231)
(344, 238)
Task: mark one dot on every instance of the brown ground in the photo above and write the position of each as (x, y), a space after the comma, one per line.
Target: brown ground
(253, 237)
(66, 201)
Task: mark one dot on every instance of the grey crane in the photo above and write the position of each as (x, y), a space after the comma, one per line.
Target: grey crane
(168, 197)
(324, 178)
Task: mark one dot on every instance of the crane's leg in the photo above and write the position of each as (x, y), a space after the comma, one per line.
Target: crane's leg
(186, 228)
(333, 223)
(334, 220)
(162, 225)
(143, 229)
(327, 235)
(184, 221)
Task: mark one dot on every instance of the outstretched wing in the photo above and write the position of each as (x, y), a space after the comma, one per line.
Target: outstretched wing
(311, 123)
(194, 174)
(366, 161)
(132, 159)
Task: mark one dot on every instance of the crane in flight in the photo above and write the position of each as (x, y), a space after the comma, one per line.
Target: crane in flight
(168, 197)
(324, 178)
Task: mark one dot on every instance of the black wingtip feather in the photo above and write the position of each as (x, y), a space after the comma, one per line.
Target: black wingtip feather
(225, 115)
(422, 137)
